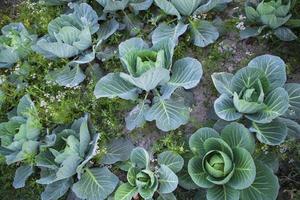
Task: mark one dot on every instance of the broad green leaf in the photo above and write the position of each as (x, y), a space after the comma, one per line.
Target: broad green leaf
(168, 180)
(197, 173)
(172, 160)
(185, 181)
(246, 78)
(269, 159)
(285, 34)
(244, 171)
(168, 7)
(273, 133)
(251, 13)
(222, 192)
(117, 150)
(58, 49)
(293, 128)
(237, 135)
(209, 5)
(186, 8)
(25, 105)
(125, 192)
(130, 45)
(265, 185)
(56, 190)
(217, 144)
(225, 109)
(136, 117)
(67, 76)
(169, 114)
(140, 158)
(84, 137)
(273, 68)
(293, 90)
(138, 5)
(250, 32)
(46, 159)
(197, 140)
(68, 167)
(277, 104)
(164, 31)
(186, 73)
(148, 80)
(112, 85)
(21, 175)
(203, 33)
(112, 6)
(131, 175)
(107, 29)
(95, 184)
(222, 82)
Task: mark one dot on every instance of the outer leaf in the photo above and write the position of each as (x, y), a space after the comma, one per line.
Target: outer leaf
(237, 135)
(136, 117)
(167, 7)
(197, 173)
(148, 80)
(112, 85)
(225, 109)
(56, 190)
(168, 180)
(117, 150)
(203, 33)
(140, 157)
(186, 73)
(21, 175)
(107, 29)
(273, 133)
(164, 31)
(138, 5)
(244, 171)
(95, 184)
(285, 34)
(125, 192)
(172, 160)
(270, 160)
(169, 114)
(273, 67)
(196, 141)
(277, 104)
(293, 90)
(265, 185)
(185, 180)
(68, 76)
(292, 126)
(131, 45)
(222, 192)
(222, 82)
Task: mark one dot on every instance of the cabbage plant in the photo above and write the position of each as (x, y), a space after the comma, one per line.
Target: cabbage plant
(15, 44)
(202, 32)
(259, 94)
(70, 36)
(150, 80)
(224, 165)
(20, 139)
(66, 162)
(146, 178)
(272, 16)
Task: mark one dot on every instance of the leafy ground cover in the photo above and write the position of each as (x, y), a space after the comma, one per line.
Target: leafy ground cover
(61, 102)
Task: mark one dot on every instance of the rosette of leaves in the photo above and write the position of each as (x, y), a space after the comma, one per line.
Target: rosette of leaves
(20, 139)
(70, 36)
(145, 179)
(15, 44)
(202, 32)
(69, 153)
(151, 81)
(259, 94)
(272, 16)
(224, 165)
